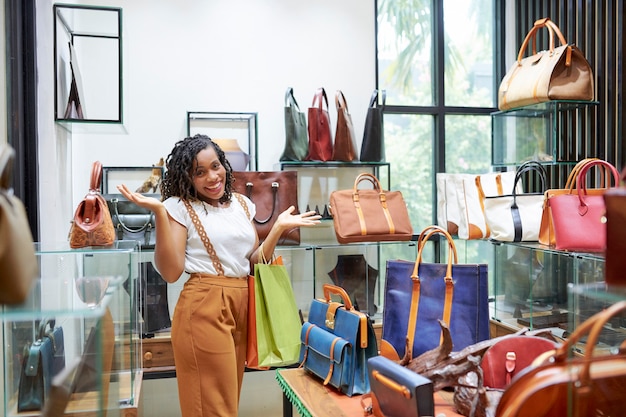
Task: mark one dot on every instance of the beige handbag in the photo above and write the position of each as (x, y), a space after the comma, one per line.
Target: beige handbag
(560, 73)
(18, 264)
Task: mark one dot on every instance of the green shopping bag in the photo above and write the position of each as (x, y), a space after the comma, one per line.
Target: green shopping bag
(277, 320)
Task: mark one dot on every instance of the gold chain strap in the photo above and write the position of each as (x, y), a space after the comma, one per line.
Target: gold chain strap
(205, 239)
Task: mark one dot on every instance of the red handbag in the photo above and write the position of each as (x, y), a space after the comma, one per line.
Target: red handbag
(320, 139)
(579, 219)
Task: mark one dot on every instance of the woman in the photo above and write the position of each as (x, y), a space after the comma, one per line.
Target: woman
(205, 229)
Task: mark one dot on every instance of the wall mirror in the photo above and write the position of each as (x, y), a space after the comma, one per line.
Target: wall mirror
(88, 63)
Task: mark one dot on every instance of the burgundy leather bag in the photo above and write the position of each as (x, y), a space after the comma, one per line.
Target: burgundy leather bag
(320, 136)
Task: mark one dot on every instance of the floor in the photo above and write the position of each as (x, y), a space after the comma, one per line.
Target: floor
(260, 397)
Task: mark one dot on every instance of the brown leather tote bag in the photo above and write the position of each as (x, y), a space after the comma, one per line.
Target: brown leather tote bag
(272, 192)
(344, 148)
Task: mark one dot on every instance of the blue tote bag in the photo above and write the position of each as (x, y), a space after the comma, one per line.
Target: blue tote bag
(419, 294)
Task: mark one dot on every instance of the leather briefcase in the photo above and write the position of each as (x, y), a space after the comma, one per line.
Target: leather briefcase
(369, 215)
(337, 341)
(398, 391)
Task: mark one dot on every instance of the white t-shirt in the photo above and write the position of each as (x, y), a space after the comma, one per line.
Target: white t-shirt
(229, 229)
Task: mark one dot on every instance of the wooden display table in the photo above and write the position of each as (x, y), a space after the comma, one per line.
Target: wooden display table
(312, 399)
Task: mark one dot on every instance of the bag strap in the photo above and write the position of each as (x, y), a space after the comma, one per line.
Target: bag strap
(530, 166)
(317, 98)
(340, 101)
(532, 37)
(275, 187)
(374, 99)
(96, 176)
(205, 239)
(581, 184)
(290, 100)
(415, 293)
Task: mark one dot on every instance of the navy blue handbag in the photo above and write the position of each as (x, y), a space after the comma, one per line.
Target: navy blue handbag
(337, 340)
(419, 294)
(398, 391)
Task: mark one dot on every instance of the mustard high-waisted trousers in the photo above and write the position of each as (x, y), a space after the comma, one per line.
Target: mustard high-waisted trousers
(209, 336)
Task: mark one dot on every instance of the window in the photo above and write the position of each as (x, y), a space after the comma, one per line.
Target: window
(436, 62)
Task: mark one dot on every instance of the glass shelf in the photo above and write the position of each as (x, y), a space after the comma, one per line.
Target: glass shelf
(536, 132)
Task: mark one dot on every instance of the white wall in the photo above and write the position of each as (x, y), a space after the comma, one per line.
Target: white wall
(201, 55)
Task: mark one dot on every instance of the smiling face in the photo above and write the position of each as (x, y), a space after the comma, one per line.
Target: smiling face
(209, 176)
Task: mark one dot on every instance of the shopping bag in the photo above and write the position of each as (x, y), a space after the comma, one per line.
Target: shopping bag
(516, 217)
(320, 136)
(277, 321)
(344, 148)
(419, 294)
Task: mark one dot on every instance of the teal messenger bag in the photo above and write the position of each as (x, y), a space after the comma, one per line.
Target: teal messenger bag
(337, 340)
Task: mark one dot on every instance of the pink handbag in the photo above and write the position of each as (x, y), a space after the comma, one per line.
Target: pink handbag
(579, 218)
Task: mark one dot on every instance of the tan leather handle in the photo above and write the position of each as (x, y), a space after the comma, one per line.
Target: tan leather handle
(424, 237)
(366, 176)
(532, 34)
(333, 289)
(391, 384)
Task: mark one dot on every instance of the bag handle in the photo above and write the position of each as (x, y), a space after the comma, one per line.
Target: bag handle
(96, 176)
(6, 165)
(290, 100)
(593, 325)
(340, 101)
(571, 178)
(374, 99)
(581, 184)
(382, 198)
(275, 186)
(317, 98)
(333, 289)
(532, 35)
(391, 384)
(424, 236)
(530, 166)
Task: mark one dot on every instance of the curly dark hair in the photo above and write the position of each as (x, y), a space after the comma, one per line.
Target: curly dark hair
(178, 181)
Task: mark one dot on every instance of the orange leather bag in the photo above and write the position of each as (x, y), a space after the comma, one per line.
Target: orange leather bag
(369, 215)
(567, 385)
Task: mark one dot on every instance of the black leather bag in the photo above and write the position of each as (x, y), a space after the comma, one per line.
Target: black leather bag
(45, 358)
(373, 145)
(132, 222)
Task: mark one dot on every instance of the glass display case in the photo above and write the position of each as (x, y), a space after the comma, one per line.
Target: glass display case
(587, 299)
(531, 282)
(75, 341)
(544, 132)
(87, 65)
